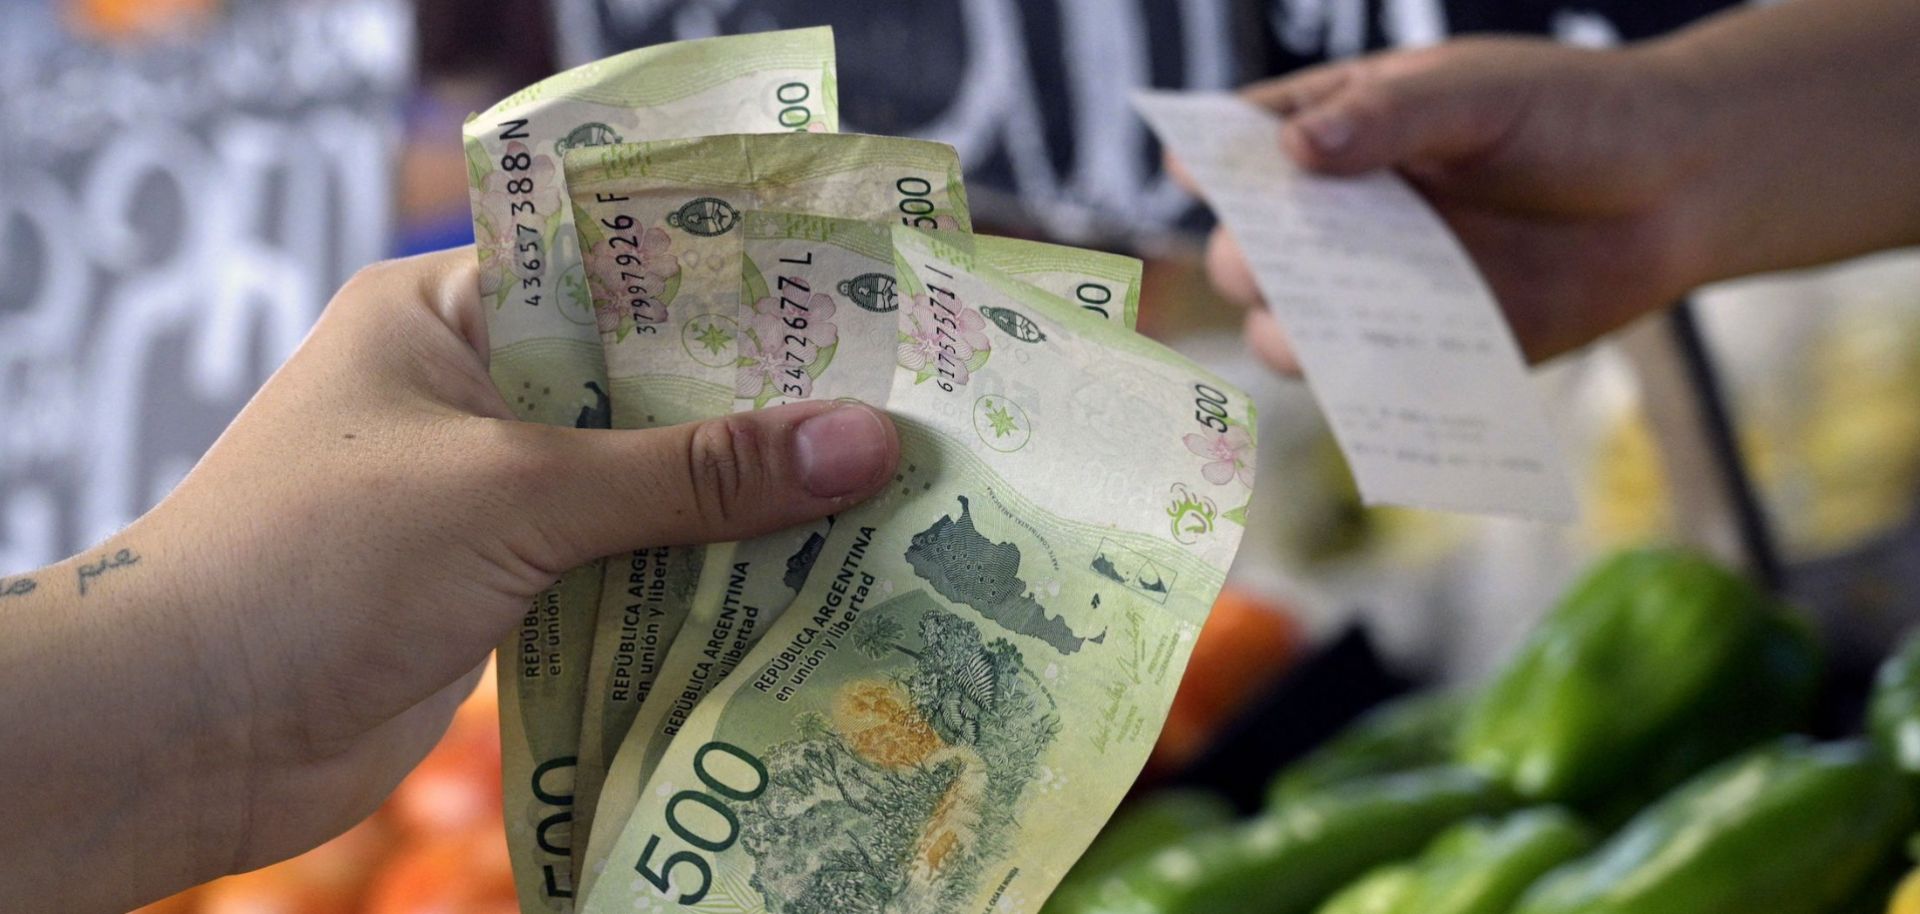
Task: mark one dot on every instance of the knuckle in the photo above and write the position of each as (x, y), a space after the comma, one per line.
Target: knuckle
(372, 275)
(1377, 100)
(725, 467)
(366, 295)
(1227, 269)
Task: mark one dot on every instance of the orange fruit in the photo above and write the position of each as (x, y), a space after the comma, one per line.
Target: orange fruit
(1248, 641)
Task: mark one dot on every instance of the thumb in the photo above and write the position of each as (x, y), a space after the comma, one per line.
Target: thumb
(1403, 110)
(731, 478)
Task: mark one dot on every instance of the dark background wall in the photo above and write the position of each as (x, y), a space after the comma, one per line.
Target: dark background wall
(1035, 92)
(176, 208)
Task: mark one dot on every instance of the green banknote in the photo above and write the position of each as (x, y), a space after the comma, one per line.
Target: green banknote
(546, 357)
(820, 315)
(660, 227)
(973, 674)
(818, 320)
(1106, 284)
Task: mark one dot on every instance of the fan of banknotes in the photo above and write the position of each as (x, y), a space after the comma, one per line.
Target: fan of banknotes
(932, 701)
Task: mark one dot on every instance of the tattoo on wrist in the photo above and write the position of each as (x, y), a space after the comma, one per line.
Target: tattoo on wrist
(17, 587)
(90, 570)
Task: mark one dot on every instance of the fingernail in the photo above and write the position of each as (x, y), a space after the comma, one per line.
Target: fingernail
(1328, 132)
(839, 452)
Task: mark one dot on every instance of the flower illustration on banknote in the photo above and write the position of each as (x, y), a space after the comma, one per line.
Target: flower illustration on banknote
(514, 201)
(630, 282)
(1229, 455)
(787, 339)
(944, 338)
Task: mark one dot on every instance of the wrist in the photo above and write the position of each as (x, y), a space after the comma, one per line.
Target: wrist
(1801, 125)
(1682, 90)
(113, 689)
(186, 623)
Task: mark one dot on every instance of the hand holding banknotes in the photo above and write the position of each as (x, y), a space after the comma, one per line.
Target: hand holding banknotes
(1592, 187)
(251, 667)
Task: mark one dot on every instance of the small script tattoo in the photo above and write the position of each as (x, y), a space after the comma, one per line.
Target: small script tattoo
(90, 570)
(17, 587)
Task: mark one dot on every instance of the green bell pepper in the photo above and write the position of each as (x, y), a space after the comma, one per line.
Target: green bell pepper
(1791, 828)
(1414, 732)
(1893, 712)
(1767, 695)
(1289, 860)
(1480, 866)
(1629, 658)
(1157, 821)
(1387, 890)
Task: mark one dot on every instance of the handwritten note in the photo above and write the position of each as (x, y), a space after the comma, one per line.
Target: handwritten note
(1404, 347)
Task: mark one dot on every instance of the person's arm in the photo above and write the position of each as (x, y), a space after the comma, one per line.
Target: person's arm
(122, 763)
(1810, 116)
(1594, 186)
(251, 667)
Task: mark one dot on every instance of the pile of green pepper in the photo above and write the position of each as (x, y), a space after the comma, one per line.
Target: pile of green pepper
(1632, 758)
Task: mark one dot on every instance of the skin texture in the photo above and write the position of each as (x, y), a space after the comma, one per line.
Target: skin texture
(1593, 187)
(261, 658)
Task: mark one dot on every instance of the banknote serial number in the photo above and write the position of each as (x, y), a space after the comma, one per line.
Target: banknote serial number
(642, 300)
(796, 316)
(526, 234)
(703, 820)
(945, 305)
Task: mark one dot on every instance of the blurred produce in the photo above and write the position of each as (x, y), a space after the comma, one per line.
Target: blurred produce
(1791, 828)
(1893, 715)
(462, 871)
(1650, 646)
(121, 20)
(1136, 833)
(1876, 891)
(435, 847)
(1290, 859)
(1860, 439)
(1323, 692)
(1247, 643)
(1481, 866)
(1407, 734)
(1906, 899)
(1655, 694)
(327, 879)
(1824, 371)
(1769, 692)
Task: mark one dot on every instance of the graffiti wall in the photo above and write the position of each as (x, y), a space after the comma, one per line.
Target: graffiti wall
(174, 212)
